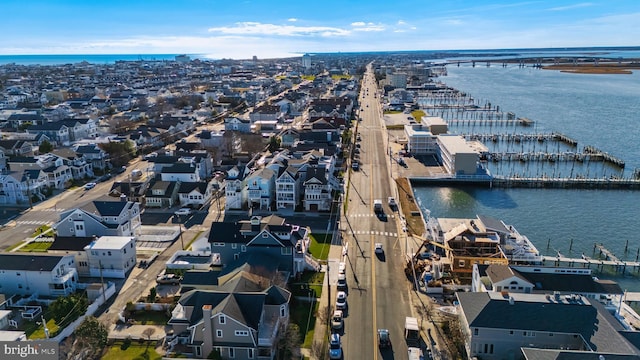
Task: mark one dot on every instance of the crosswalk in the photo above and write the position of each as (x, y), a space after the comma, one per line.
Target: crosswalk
(53, 210)
(34, 222)
(391, 216)
(379, 233)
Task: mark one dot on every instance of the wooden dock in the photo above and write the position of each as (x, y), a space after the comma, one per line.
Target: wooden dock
(610, 260)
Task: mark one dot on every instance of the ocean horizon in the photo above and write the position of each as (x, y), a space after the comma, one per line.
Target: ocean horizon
(61, 59)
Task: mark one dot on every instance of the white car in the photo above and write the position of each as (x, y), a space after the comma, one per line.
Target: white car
(89, 186)
(183, 211)
(378, 248)
(342, 267)
(337, 322)
(342, 281)
(341, 300)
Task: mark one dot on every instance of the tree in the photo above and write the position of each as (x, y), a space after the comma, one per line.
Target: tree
(119, 152)
(318, 350)
(91, 338)
(68, 308)
(274, 143)
(148, 332)
(153, 292)
(289, 343)
(45, 147)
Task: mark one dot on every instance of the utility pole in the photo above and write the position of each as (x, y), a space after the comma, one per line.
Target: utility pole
(29, 191)
(180, 225)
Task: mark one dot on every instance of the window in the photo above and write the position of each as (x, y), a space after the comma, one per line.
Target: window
(242, 333)
(475, 332)
(219, 333)
(109, 253)
(461, 263)
(283, 310)
(222, 319)
(286, 251)
(243, 248)
(232, 352)
(250, 353)
(236, 256)
(234, 246)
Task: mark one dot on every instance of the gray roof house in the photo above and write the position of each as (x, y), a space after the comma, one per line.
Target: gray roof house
(102, 217)
(498, 325)
(242, 318)
(287, 244)
(44, 275)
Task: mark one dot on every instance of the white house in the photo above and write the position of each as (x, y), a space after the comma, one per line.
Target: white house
(259, 189)
(44, 275)
(111, 256)
(100, 217)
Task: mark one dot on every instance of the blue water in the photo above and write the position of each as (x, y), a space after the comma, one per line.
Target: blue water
(597, 110)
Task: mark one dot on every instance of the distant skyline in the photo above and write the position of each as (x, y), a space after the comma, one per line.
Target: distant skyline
(284, 28)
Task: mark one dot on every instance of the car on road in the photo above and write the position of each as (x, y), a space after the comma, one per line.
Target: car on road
(341, 300)
(379, 249)
(355, 166)
(335, 347)
(392, 202)
(104, 177)
(183, 211)
(120, 170)
(337, 321)
(89, 186)
(384, 341)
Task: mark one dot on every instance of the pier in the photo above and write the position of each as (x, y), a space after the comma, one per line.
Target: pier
(540, 137)
(610, 260)
(564, 183)
(606, 157)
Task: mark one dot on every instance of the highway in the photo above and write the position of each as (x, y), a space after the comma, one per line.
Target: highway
(379, 294)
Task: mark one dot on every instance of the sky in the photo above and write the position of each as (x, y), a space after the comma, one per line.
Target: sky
(241, 29)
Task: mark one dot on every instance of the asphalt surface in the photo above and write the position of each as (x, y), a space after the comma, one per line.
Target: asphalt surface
(379, 295)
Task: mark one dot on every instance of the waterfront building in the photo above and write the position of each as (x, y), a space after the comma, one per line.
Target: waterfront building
(420, 140)
(506, 325)
(457, 157)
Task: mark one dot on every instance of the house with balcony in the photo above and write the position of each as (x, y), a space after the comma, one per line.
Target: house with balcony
(43, 275)
(12, 190)
(259, 188)
(317, 190)
(102, 217)
(80, 167)
(271, 236)
(288, 189)
(94, 155)
(81, 128)
(111, 256)
(241, 318)
(233, 189)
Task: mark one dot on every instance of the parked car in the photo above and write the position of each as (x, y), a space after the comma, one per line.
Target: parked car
(392, 202)
(337, 321)
(384, 341)
(104, 177)
(89, 186)
(335, 347)
(120, 170)
(341, 300)
(183, 211)
(342, 281)
(171, 279)
(341, 268)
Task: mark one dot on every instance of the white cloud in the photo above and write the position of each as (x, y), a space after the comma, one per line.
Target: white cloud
(361, 26)
(401, 22)
(570, 7)
(292, 19)
(256, 28)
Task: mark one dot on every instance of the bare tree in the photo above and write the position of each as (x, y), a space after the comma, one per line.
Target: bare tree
(148, 332)
(319, 350)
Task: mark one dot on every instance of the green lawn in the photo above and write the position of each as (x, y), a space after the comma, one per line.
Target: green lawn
(393, 112)
(37, 246)
(320, 245)
(143, 317)
(40, 230)
(310, 281)
(300, 315)
(134, 351)
(35, 331)
(14, 246)
(418, 114)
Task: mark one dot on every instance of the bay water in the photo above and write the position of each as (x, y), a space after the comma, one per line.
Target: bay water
(597, 110)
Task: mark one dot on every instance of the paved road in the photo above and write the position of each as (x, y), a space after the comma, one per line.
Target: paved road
(380, 298)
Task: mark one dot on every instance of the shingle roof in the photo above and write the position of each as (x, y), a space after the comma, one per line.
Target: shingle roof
(29, 262)
(106, 207)
(70, 243)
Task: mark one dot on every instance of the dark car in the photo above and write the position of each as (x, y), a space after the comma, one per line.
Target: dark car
(384, 341)
(120, 170)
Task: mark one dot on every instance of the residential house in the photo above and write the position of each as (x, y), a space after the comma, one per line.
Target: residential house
(101, 217)
(259, 188)
(111, 256)
(242, 318)
(162, 194)
(23, 119)
(80, 168)
(266, 113)
(288, 137)
(58, 132)
(237, 124)
(288, 189)
(270, 236)
(132, 191)
(211, 139)
(233, 189)
(81, 128)
(16, 147)
(318, 194)
(12, 191)
(181, 171)
(43, 275)
(195, 194)
(93, 154)
(500, 325)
